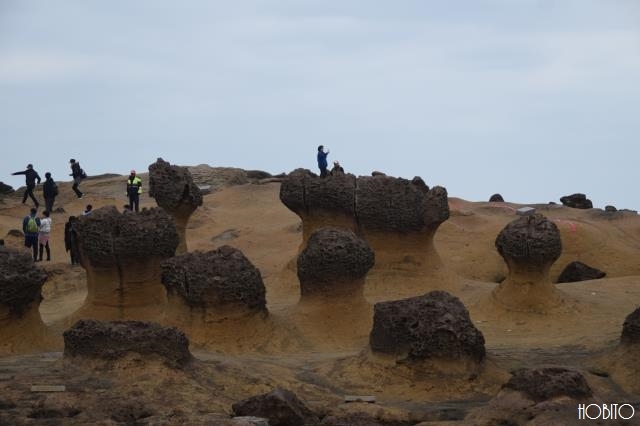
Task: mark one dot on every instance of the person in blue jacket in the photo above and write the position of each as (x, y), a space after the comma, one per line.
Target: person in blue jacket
(322, 161)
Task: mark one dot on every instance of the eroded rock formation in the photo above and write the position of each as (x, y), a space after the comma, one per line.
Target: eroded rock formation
(577, 201)
(529, 245)
(397, 217)
(6, 189)
(433, 326)
(121, 253)
(215, 281)
(631, 329)
(578, 271)
(536, 396)
(496, 198)
(21, 327)
(113, 340)
(282, 407)
(175, 191)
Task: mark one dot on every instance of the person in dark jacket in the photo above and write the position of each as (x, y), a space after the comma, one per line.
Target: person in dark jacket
(77, 174)
(134, 189)
(322, 161)
(337, 169)
(30, 227)
(70, 241)
(49, 191)
(31, 176)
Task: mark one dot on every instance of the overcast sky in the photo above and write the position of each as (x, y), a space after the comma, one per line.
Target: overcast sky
(532, 99)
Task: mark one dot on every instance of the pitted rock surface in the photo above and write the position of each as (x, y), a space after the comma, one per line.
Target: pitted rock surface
(546, 383)
(173, 186)
(215, 278)
(111, 340)
(376, 202)
(333, 254)
(107, 237)
(531, 240)
(20, 280)
(631, 329)
(351, 419)
(577, 201)
(435, 325)
(496, 198)
(578, 271)
(282, 407)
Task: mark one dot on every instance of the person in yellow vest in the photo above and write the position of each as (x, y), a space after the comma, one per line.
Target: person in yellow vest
(134, 189)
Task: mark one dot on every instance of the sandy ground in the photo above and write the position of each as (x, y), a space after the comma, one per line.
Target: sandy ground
(321, 352)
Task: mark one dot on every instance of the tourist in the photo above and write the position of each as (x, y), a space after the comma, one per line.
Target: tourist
(70, 242)
(49, 191)
(30, 176)
(322, 161)
(43, 235)
(87, 210)
(134, 189)
(31, 227)
(77, 174)
(337, 169)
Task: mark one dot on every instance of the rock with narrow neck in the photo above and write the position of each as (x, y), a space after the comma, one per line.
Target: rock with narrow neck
(121, 253)
(175, 191)
(529, 245)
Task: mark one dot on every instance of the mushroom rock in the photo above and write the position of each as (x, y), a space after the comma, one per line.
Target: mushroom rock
(397, 217)
(21, 327)
(529, 245)
(435, 326)
(332, 269)
(319, 201)
(536, 396)
(175, 191)
(114, 340)
(121, 253)
(214, 294)
(578, 271)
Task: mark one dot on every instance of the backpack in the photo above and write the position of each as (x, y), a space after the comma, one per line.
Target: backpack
(83, 175)
(32, 225)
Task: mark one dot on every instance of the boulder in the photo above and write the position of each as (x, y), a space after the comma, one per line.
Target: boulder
(578, 271)
(529, 245)
(631, 329)
(6, 189)
(112, 340)
(282, 407)
(435, 325)
(577, 201)
(496, 198)
(174, 190)
(543, 384)
(20, 282)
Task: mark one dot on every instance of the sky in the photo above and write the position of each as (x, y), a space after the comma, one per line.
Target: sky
(532, 99)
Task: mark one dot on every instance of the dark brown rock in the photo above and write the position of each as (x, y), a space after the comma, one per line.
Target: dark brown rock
(333, 255)
(107, 237)
(610, 209)
(578, 271)
(112, 340)
(20, 281)
(351, 419)
(435, 325)
(215, 278)
(496, 198)
(6, 189)
(302, 192)
(258, 174)
(530, 240)
(631, 329)
(282, 407)
(577, 201)
(173, 187)
(546, 383)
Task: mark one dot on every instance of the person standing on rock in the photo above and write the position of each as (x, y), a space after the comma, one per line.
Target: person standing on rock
(337, 169)
(31, 227)
(31, 176)
(49, 191)
(134, 189)
(43, 235)
(70, 239)
(322, 161)
(77, 174)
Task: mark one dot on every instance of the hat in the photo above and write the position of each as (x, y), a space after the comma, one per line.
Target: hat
(29, 166)
(133, 172)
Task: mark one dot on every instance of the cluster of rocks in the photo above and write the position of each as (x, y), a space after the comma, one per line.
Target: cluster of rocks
(577, 201)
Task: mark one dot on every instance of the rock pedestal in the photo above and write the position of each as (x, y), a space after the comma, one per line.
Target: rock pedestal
(121, 253)
(214, 296)
(529, 245)
(174, 191)
(21, 327)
